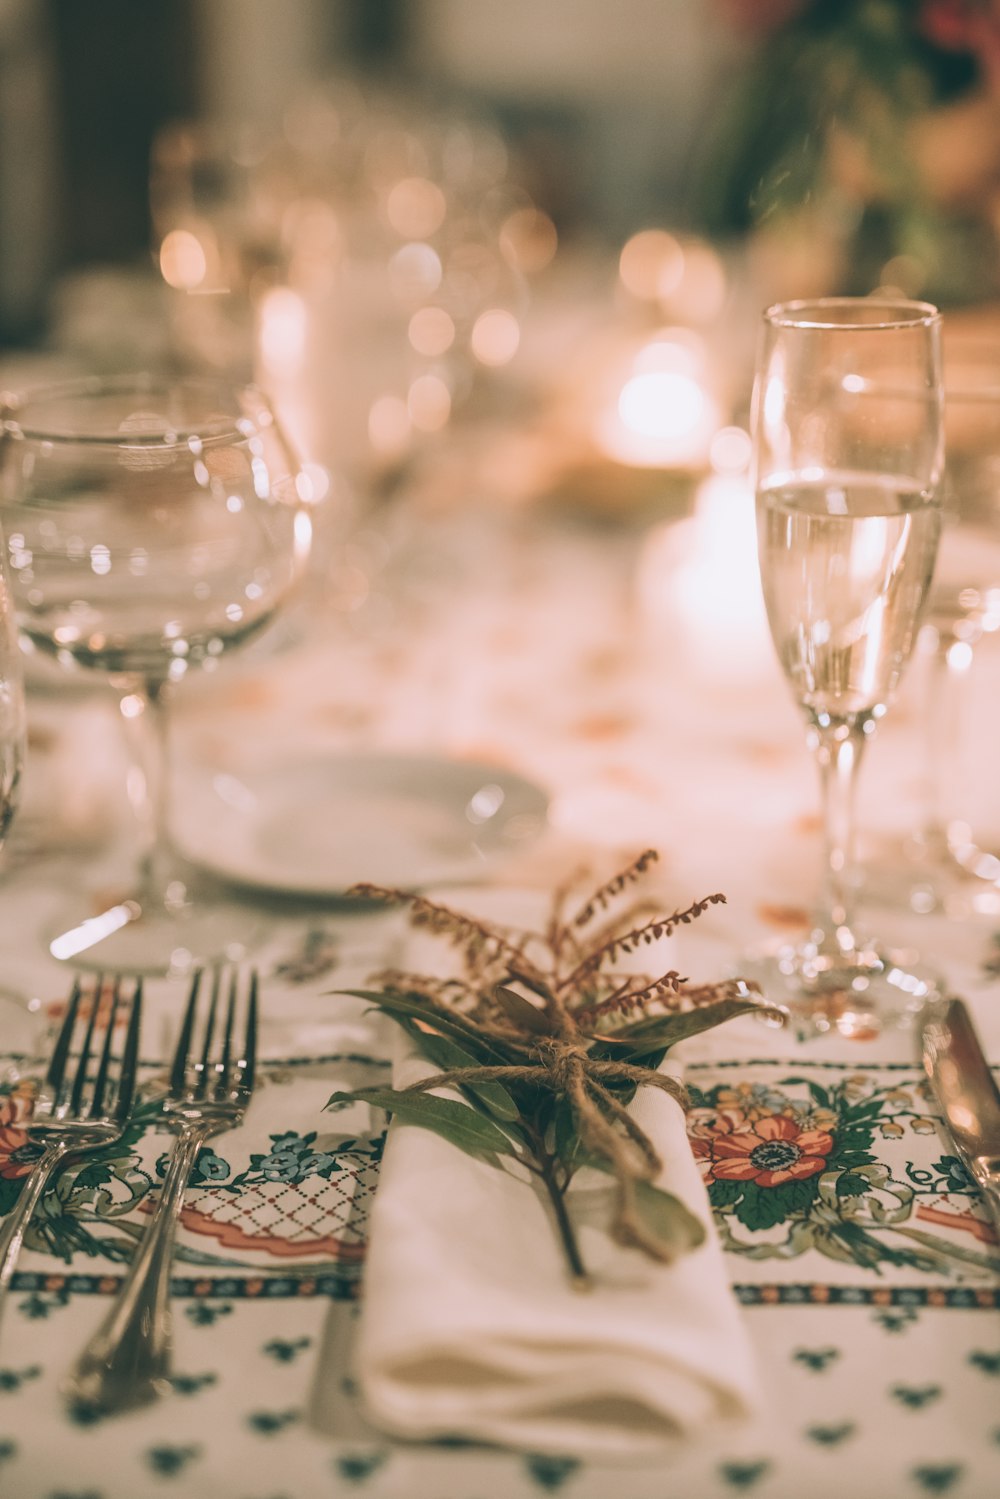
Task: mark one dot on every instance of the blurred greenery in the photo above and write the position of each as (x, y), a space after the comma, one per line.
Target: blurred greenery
(840, 84)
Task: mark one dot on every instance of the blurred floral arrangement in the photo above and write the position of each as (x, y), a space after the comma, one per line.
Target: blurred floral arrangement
(876, 122)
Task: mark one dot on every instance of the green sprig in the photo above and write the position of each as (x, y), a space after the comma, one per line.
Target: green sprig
(541, 1046)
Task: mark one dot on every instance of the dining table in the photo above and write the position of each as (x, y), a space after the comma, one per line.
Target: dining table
(584, 641)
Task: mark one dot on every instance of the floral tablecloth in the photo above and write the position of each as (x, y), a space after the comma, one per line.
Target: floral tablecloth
(866, 1280)
(861, 1256)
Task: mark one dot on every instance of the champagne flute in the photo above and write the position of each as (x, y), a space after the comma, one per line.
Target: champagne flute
(153, 524)
(848, 452)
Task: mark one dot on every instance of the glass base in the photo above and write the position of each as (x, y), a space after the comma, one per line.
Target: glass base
(951, 891)
(157, 936)
(857, 994)
(926, 877)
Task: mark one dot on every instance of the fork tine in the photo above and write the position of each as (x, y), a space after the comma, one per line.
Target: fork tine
(224, 1067)
(79, 1081)
(178, 1070)
(130, 1056)
(205, 1067)
(101, 1080)
(247, 1065)
(60, 1052)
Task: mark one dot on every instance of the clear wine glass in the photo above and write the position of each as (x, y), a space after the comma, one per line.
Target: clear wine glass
(152, 525)
(848, 453)
(954, 862)
(13, 1029)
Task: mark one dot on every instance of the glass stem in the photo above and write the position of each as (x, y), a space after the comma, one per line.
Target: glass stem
(144, 715)
(948, 668)
(838, 746)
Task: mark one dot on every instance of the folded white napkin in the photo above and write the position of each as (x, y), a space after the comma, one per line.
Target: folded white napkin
(470, 1326)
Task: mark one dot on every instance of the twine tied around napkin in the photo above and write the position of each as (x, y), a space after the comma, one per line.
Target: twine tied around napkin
(471, 1329)
(470, 1325)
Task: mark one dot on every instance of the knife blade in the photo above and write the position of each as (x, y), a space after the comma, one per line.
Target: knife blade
(966, 1093)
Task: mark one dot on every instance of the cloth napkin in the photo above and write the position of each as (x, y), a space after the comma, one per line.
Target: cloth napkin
(470, 1326)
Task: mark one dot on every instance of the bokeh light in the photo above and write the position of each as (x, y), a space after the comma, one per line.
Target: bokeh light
(495, 337)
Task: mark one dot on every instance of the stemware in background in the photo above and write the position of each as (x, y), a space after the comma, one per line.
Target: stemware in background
(368, 256)
(221, 198)
(848, 454)
(375, 245)
(152, 525)
(951, 864)
(12, 750)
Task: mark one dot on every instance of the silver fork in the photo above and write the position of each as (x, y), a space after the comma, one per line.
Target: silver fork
(127, 1361)
(78, 1113)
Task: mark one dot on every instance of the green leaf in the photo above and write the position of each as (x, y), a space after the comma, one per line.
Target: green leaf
(448, 1055)
(757, 1209)
(852, 1186)
(10, 1190)
(447, 1024)
(849, 1160)
(94, 1174)
(851, 1139)
(864, 1249)
(862, 1113)
(801, 1194)
(523, 1014)
(764, 1207)
(668, 1218)
(723, 1194)
(816, 1092)
(663, 1214)
(454, 1121)
(665, 1031)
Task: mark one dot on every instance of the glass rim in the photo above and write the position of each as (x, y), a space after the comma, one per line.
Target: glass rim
(815, 314)
(236, 426)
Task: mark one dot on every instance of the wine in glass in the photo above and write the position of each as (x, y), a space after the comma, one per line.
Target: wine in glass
(152, 525)
(848, 452)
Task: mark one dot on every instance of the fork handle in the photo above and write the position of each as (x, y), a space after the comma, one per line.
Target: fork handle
(127, 1361)
(12, 1234)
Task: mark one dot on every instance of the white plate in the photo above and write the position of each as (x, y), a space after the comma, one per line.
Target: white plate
(318, 826)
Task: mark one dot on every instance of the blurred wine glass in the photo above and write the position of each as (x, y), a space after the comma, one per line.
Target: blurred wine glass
(954, 864)
(13, 736)
(219, 197)
(152, 526)
(375, 246)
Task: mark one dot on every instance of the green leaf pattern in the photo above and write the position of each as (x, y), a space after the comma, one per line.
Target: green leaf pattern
(794, 1167)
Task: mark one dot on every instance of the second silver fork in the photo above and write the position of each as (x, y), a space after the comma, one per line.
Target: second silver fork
(127, 1362)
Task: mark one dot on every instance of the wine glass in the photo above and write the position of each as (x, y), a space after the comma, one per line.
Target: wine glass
(12, 750)
(153, 524)
(954, 864)
(848, 453)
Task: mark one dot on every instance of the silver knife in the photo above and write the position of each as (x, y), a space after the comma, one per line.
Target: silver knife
(966, 1092)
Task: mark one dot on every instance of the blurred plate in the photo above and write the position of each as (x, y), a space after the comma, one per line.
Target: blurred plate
(317, 826)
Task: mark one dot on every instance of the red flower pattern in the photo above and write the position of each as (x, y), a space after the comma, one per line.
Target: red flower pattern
(13, 1139)
(729, 1146)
